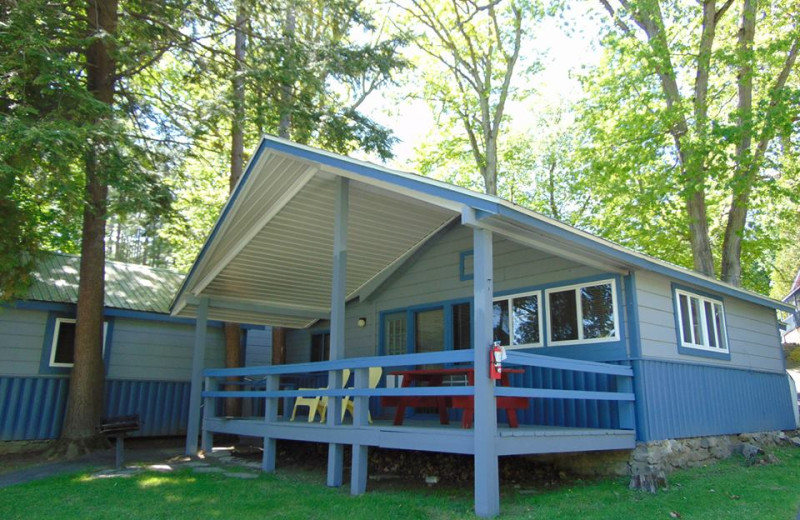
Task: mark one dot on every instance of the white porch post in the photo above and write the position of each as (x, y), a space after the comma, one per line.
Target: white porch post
(487, 486)
(338, 295)
(198, 361)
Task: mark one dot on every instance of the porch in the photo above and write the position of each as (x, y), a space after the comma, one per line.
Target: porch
(615, 400)
(309, 237)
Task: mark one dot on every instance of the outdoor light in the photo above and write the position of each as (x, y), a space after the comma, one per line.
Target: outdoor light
(362, 322)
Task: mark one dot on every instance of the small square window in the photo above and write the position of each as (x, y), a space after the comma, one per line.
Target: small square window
(62, 350)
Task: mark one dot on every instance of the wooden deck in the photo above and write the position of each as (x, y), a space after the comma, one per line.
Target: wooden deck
(428, 435)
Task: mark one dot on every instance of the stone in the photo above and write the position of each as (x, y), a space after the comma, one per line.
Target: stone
(795, 441)
(750, 452)
(244, 475)
(650, 482)
(210, 469)
(196, 464)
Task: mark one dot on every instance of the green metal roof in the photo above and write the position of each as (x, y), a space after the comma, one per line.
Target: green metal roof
(128, 286)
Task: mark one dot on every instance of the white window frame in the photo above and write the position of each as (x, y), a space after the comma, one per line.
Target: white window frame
(54, 342)
(703, 322)
(579, 310)
(510, 299)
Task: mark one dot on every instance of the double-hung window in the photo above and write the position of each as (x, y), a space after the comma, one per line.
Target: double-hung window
(701, 322)
(582, 313)
(517, 320)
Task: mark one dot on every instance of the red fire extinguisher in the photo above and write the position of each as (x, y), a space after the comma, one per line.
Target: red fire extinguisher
(496, 356)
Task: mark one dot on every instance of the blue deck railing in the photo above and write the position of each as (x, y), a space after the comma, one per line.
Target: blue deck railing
(562, 392)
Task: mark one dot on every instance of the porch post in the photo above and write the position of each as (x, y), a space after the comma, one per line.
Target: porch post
(358, 466)
(198, 361)
(487, 486)
(338, 295)
(270, 416)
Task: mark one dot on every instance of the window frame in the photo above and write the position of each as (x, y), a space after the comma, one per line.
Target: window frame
(510, 299)
(579, 313)
(54, 342)
(685, 347)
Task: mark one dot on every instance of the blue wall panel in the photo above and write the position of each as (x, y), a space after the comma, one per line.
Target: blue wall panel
(567, 412)
(687, 400)
(33, 407)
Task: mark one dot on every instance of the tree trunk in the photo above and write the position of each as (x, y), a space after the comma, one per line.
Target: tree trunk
(742, 186)
(278, 345)
(490, 175)
(233, 331)
(698, 233)
(285, 123)
(85, 404)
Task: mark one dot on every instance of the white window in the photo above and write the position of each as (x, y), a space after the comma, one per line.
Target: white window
(583, 313)
(517, 320)
(62, 350)
(701, 321)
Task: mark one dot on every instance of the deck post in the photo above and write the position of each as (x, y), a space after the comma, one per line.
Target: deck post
(270, 416)
(627, 409)
(207, 437)
(338, 296)
(198, 361)
(358, 467)
(487, 485)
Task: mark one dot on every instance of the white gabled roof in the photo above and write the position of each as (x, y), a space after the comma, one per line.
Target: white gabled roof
(269, 257)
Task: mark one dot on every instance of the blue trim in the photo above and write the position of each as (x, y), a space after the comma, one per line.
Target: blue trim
(463, 275)
(597, 351)
(414, 181)
(691, 351)
(632, 308)
(225, 210)
(70, 308)
(639, 262)
(47, 346)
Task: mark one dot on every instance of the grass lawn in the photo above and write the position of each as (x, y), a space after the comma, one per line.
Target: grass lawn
(728, 490)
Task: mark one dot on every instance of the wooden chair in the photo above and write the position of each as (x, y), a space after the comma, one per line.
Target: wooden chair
(317, 403)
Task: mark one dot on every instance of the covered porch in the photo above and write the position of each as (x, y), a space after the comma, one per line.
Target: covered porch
(306, 233)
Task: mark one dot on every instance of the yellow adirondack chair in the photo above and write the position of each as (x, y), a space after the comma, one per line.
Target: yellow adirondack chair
(347, 401)
(317, 403)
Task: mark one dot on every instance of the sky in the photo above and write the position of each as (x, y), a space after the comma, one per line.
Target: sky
(564, 52)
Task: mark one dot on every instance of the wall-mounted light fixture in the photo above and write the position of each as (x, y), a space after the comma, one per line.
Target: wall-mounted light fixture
(362, 322)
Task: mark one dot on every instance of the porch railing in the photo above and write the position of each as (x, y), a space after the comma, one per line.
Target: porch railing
(619, 393)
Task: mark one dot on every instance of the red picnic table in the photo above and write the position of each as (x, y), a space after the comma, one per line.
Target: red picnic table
(435, 377)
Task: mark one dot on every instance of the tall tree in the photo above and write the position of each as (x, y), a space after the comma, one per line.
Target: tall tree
(677, 65)
(85, 404)
(477, 46)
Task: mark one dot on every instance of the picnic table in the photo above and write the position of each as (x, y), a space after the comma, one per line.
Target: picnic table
(443, 403)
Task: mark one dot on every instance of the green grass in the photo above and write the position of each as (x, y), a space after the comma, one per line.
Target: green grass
(728, 490)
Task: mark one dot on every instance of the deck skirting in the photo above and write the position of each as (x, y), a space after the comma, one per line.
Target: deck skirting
(526, 440)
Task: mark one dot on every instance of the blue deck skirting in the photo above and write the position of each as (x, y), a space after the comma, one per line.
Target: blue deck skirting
(32, 408)
(687, 400)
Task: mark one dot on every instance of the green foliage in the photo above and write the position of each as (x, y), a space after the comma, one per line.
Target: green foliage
(648, 152)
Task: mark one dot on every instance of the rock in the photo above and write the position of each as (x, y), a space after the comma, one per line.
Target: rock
(196, 464)
(244, 475)
(750, 452)
(210, 469)
(650, 482)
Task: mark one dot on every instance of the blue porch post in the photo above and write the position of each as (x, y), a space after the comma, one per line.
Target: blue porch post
(338, 295)
(198, 360)
(487, 484)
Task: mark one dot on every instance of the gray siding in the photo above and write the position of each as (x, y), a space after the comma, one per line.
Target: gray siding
(158, 350)
(258, 349)
(432, 276)
(753, 338)
(21, 340)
